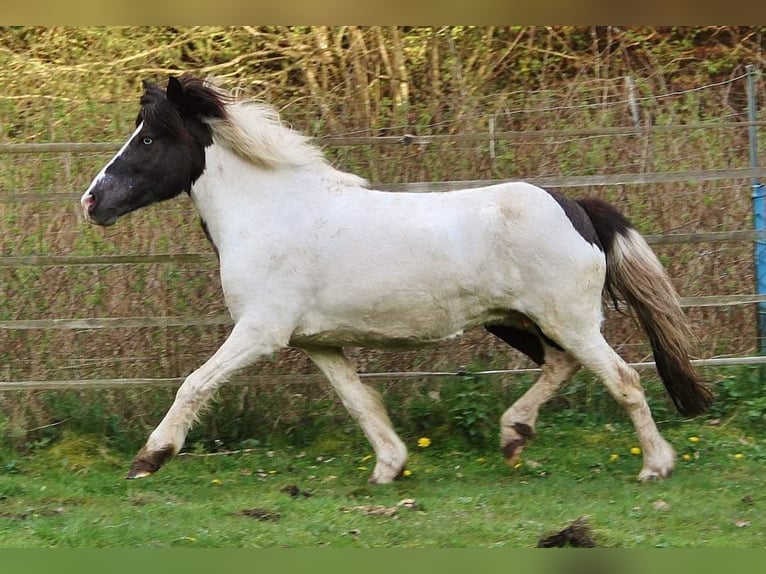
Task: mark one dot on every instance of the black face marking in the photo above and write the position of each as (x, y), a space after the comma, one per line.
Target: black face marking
(165, 156)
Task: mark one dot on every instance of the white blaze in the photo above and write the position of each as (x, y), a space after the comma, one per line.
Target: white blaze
(86, 198)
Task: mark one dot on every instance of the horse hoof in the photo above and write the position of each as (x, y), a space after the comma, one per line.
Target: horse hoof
(383, 479)
(659, 465)
(513, 447)
(147, 463)
(133, 474)
(514, 461)
(141, 468)
(385, 475)
(648, 475)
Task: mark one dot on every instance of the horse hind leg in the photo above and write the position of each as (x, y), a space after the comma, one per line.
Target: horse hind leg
(366, 407)
(624, 384)
(517, 424)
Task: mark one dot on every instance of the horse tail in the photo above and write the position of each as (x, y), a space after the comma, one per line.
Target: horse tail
(634, 271)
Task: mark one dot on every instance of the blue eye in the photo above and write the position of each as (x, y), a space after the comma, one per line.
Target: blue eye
(147, 141)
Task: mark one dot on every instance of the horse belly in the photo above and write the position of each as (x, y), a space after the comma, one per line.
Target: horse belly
(401, 319)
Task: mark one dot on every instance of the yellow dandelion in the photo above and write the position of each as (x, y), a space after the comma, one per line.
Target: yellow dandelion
(366, 457)
(517, 465)
(739, 456)
(216, 482)
(614, 457)
(686, 456)
(635, 450)
(424, 442)
(362, 468)
(407, 472)
(694, 439)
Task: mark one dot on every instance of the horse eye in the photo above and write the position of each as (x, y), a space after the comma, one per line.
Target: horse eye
(147, 141)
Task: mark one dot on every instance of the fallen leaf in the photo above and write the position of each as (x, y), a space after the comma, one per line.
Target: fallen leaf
(377, 510)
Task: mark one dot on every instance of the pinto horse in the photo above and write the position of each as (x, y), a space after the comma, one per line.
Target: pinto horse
(311, 257)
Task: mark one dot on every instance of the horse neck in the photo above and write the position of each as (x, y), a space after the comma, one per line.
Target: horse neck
(234, 174)
(233, 193)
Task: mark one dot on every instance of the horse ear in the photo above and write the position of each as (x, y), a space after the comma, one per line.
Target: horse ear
(175, 91)
(148, 86)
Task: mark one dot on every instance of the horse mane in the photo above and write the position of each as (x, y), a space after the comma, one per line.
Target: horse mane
(255, 132)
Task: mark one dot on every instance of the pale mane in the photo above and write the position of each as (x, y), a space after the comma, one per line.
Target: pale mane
(255, 132)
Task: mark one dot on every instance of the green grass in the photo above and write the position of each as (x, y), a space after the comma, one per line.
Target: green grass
(73, 494)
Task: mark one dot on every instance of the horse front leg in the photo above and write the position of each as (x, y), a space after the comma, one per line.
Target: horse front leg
(366, 407)
(242, 348)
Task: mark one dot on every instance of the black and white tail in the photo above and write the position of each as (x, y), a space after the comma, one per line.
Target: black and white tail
(635, 272)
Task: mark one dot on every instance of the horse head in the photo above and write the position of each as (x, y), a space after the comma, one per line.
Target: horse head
(165, 154)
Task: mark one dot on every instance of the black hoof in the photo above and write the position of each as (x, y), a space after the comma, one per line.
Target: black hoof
(147, 463)
(512, 449)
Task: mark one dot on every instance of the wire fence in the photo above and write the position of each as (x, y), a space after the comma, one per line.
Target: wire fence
(639, 164)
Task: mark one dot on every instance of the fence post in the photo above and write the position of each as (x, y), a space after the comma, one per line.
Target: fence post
(759, 207)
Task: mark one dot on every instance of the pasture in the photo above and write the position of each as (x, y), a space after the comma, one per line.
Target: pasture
(73, 494)
(99, 326)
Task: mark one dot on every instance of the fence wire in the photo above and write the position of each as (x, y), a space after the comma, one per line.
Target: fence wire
(665, 142)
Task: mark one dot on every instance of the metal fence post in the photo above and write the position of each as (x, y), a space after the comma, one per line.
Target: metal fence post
(759, 206)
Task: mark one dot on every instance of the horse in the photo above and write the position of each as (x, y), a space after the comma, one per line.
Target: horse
(312, 257)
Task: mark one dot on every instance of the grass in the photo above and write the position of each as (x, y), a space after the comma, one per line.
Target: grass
(72, 494)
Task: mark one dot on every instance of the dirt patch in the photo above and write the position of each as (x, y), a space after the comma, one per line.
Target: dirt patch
(576, 535)
(259, 514)
(295, 492)
(32, 513)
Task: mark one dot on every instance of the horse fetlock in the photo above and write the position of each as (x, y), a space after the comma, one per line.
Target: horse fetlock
(389, 466)
(654, 473)
(147, 462)
(513, 439)
(658, 463)
(386, 472)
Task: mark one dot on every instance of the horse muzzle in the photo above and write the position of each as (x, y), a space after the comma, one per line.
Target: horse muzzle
(90, 208)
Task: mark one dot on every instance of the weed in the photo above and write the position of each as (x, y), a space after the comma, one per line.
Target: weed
(739, 397)
(474, 409)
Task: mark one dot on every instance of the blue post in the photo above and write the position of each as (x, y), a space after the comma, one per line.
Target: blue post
(759, 208)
